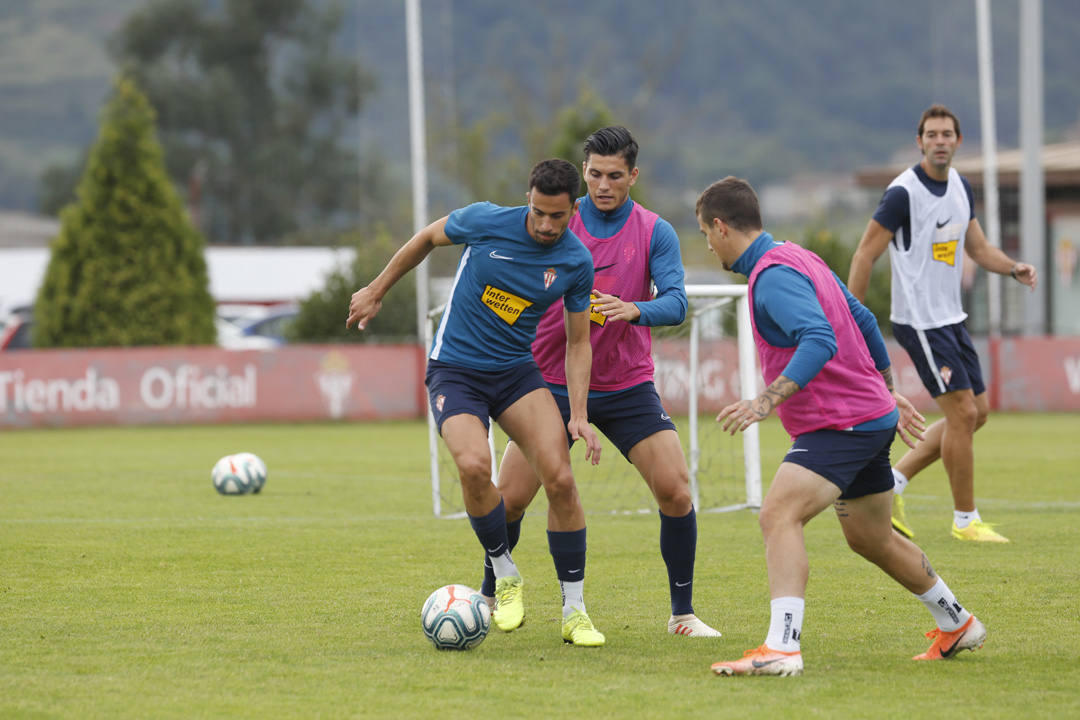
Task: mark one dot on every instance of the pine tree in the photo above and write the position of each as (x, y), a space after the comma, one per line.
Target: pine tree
(127, 267)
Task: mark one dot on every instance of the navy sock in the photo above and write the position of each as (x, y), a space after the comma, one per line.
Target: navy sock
(568, 552)
(513, 534)
(490, 529)
(678, 546)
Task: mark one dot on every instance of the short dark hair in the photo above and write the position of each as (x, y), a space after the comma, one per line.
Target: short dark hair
(938, 111)
(613, 140)
(555, 177)
(732, 200)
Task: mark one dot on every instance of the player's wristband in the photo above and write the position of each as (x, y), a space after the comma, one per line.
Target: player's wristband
(1013, 272)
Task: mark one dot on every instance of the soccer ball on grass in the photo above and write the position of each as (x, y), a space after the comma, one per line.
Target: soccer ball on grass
(455, 617)
(239, 474)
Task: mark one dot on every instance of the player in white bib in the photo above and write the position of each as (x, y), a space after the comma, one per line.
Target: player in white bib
(926, 219)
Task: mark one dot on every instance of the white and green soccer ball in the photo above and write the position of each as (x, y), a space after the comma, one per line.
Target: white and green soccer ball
(239, 474)
(455, 617)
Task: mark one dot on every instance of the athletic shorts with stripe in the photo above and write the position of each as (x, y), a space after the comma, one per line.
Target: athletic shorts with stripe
(944, 357)
(454, 390)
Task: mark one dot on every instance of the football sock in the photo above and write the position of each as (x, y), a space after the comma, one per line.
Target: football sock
(513, 534)
(572, 596)
(963, 518)
(948, 614)
(568, 552)
(899, 482)
(785, 624)
(490, 529)
(678, 543)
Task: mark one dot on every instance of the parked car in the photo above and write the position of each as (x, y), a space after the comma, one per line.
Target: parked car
(15, 329)
(274, 326)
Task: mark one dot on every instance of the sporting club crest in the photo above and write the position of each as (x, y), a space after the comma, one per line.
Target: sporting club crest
(549, 277)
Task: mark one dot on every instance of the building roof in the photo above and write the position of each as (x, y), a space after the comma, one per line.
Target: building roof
(1061, 165)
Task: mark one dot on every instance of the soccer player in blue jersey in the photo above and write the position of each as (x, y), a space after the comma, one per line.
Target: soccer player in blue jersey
(927, 221)
(516, 262)
(632, 249)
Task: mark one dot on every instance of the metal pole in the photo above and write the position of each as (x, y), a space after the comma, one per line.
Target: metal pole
(1032, 184)
(989, 153)
(417, 134)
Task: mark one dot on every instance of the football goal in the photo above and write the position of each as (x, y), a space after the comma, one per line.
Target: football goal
(702, 365)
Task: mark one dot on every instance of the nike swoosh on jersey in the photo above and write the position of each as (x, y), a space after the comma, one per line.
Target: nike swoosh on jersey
(943, 224)
(604, 267)
(495, 254)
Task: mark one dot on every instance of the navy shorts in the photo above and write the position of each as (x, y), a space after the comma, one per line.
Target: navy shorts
(453, 390)
(625, 417)
(856, 462)
(945, 358)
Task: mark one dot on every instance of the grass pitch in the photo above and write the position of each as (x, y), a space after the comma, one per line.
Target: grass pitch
(129, 588)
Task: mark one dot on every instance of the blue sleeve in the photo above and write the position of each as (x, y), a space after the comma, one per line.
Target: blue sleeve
(576, 298)
(788, 314)
(892, 211)
(868, 326)
(971, 196)
(666, 270)
(468, 222)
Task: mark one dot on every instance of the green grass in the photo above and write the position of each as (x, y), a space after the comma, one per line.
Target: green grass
(129, 588)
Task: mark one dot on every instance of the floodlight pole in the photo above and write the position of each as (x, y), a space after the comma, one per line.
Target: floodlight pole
(1032, 182)
(417, 136)
(989, 153)
(990, 187)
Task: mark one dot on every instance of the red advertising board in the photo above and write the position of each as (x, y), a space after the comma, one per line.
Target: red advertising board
(210, 385)
(372, 382)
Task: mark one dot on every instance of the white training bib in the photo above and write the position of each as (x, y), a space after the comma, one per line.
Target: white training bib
(926, 276)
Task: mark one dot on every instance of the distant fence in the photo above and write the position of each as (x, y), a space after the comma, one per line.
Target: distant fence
(370, 382)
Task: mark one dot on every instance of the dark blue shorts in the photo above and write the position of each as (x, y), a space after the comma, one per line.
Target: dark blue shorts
(945, 358)
(625, 417)
(453, 390)
(855, 462)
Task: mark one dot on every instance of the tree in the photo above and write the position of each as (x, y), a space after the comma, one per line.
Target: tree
(322, 314)
(253, 102)
(127, 267)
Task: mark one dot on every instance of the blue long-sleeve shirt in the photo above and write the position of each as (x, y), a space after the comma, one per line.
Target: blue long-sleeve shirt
(787, 313)
(665, 262)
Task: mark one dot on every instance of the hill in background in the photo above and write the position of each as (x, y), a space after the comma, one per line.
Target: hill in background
(765, 90)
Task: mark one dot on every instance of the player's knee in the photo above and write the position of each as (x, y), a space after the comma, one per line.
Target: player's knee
(473, 469)
(981, 416)
(965, 416)
(559, 486)
(862, 545)
(673, 497)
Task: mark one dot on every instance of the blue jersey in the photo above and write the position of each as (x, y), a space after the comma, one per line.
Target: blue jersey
(504, 283)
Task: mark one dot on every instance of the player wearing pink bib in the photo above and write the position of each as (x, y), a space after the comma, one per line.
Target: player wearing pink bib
(830, 381)
(633, 249)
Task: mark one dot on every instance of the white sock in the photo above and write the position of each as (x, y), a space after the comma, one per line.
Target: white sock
(573, 596)
(785, 624)
(503, 566)
(963, 518)
(948, 614)
(899, 482)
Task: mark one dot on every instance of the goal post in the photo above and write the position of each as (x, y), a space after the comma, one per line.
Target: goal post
(721, 295)
(702, 365)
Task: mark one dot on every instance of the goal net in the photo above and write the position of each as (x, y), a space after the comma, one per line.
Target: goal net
(702, 365)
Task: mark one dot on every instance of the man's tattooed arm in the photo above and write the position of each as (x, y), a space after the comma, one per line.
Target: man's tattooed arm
(778, 391)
